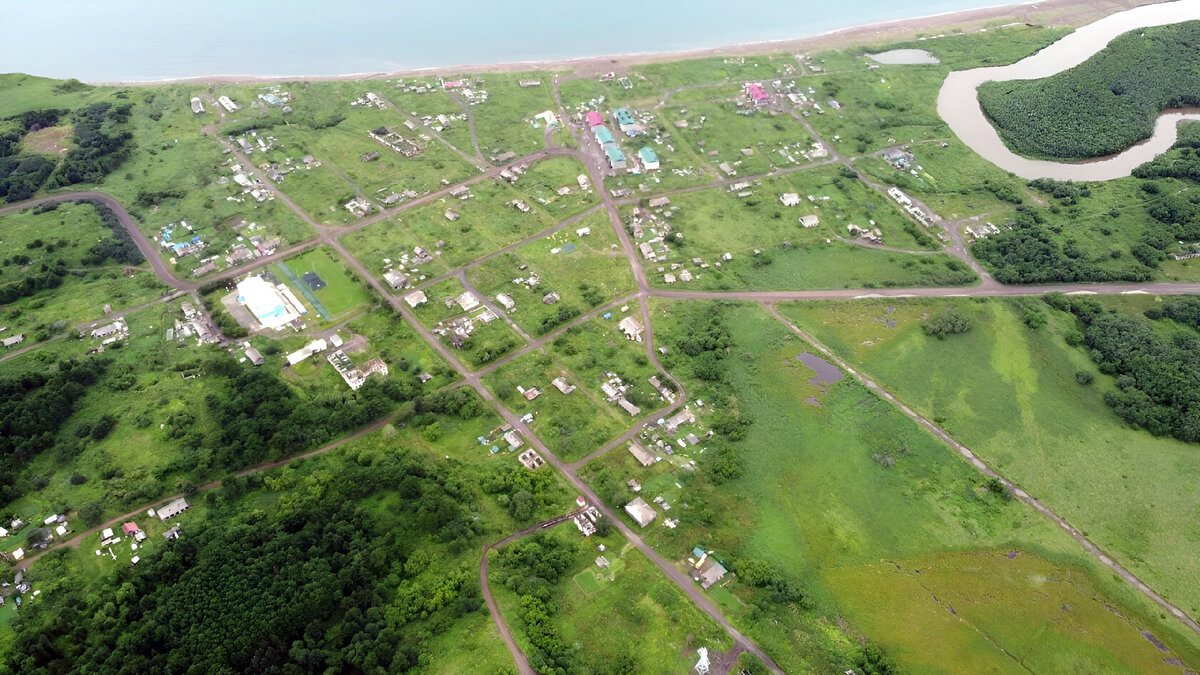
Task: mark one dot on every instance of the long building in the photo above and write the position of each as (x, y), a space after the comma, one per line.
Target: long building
(274, 306)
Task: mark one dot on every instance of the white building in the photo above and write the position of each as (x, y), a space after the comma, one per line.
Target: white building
(274, 306)
(228, 104)
(640, 511)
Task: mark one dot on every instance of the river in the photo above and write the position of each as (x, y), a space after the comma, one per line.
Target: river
(137, 40)
(958, 100)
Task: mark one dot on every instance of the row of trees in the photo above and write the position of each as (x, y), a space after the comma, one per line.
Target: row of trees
(1103, 105)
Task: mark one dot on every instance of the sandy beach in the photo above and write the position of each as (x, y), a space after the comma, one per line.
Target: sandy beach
(1070, 13)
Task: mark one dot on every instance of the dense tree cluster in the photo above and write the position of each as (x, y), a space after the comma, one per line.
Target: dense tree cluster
(120, 248)
(260, 417)
(1105, 104)
(33, 407)
(101, 138)
(22, 174)
(1027, 253)
(318, 583)
(1158, 375)
(531, 568)
(950, 321)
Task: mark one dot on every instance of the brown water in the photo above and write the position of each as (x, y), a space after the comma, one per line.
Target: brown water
(958, 101)
(827, 373)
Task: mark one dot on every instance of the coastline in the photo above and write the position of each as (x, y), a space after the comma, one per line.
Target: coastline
(1070, 13)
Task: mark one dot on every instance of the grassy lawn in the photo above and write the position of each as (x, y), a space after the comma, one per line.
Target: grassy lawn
(504, 123)
(1010, 394)
(585, 271)
(629, 614)
(819, 504)
(486, 221)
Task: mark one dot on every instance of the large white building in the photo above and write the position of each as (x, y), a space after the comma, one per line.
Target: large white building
(273, 306)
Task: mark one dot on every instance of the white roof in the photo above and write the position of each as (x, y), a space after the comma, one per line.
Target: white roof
(18, 554)
(271, 307)
(640, 511)
(106, 533)
(415, 298)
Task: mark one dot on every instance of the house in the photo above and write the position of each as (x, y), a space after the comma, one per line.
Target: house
(550, 298)
(729, 170)
(646, 250)
(197, 105)
(254, 356)
(757, 94)
(712, 575)
(61, 530)
(173, 509)
(625, 119)
(685, 416)
(415, 298)
(631, 327)
(106, 533)
(531, 460)
(640, 511)
(649, 159)
(659, 202)
(616, 158)
(789, 199)
(506, 300)
(810, 221)
(560, 383)
(641, 454)
(396, 279)
(129, 529)
(451, 215)
(628, 407)
(603, 135)
(228, 104)
(18, 554)
(548, 117)
(583, 231)
(467, 301)
(306, 351)
(594, 119)
(172, 533)
(513, 439)
(530, 393)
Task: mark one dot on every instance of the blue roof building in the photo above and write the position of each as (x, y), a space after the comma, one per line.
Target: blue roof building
(625, 119)
(603, 135)
(616, 158)
(649, 158)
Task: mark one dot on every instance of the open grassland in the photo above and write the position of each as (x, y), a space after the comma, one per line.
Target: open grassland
(833, 485)
(719, 129)
(1010, 394)
(626, 615)
(710, 223)
(487, 342)
(504, 123)
(584, 271)
(483, 223)
(35, 244)
(683, 74)
(542, 181)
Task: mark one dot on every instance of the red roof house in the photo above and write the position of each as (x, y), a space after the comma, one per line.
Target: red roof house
(130, 528)
(594, 119)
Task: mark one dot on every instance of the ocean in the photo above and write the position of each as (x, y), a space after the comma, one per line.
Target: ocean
(143, 40)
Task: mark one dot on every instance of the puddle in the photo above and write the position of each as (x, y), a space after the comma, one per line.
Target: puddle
(827, 373)
(904, 57)
(812, 400)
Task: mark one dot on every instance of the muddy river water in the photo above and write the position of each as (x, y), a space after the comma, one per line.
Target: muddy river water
(958, 101)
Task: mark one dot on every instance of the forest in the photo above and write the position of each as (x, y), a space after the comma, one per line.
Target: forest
(1157, 372)
(1103, 105)
(318, 582)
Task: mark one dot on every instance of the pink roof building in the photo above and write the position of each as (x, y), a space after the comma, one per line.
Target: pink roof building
(130, 528)
(594, 119)
(756, 93)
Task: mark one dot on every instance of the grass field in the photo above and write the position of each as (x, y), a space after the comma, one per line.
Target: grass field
(486, 222)
(542, 180)
(629, 614)
(585, 271)
(1010, 394)
(342, 295)
(817, 503)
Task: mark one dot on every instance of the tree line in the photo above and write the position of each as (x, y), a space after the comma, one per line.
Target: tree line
(1105, 104)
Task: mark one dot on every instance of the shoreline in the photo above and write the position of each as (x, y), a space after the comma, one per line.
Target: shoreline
(1051, 12)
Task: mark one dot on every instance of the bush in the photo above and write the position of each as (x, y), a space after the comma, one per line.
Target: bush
(1084, 377)
(947, 322)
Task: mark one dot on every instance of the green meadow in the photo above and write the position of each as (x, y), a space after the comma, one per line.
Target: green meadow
(1010, 394)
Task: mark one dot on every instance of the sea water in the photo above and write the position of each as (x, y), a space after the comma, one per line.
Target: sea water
(118, 40)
